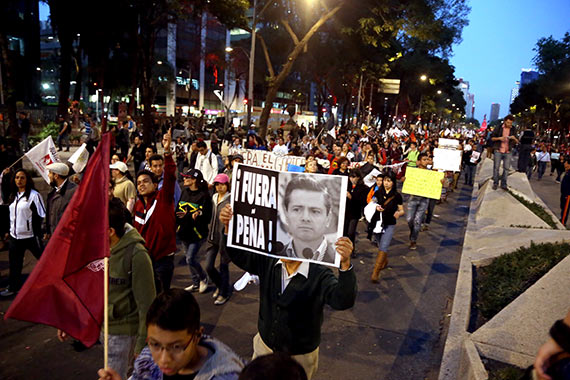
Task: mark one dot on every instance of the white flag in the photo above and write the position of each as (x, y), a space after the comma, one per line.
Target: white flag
(43, 155)
(332, 133)
(79, 158)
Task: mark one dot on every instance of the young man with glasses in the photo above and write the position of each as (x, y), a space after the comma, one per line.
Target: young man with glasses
(177, 347)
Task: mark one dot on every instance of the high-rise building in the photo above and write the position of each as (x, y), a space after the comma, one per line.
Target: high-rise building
(495, 108)
(527, 76)
(469, 98)
(515, 91)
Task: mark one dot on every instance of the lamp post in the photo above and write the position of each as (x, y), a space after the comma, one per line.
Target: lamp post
(189, 72)
(423, 78)
(251, 65)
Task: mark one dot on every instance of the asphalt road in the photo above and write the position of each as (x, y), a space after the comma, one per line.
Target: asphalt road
(396, 330)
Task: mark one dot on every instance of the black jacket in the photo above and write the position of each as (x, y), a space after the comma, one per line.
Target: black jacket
(290, 321)
(190, 230)
(355, 205)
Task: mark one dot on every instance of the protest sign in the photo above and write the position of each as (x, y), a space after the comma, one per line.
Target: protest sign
(447, 159)
(79, 158)
(268, 160)
(475, 156)
(452, 143)
(423, 182)
(370, 179)
(43, 155)
(294, 215)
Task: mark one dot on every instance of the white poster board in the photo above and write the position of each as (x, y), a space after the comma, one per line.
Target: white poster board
(297, 216)
(451, 143)
(447, 159)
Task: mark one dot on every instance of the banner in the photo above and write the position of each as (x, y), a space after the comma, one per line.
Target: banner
(65, 289)
(43, 155)
(447, 159)
(448, 142)
(79, 158)
(423, 182)
(298, 216)
(268, 160)
(475, 156)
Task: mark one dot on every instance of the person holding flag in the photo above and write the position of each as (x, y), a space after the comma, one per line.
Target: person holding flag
(131, 291)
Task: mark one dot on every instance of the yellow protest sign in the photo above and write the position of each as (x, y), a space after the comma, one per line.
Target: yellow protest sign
(423, 182)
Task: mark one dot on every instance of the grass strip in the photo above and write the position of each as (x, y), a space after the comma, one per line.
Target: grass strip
(506, 374)
(509, 275)
(537, 209)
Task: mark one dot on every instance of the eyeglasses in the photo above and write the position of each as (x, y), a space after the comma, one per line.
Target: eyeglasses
(173, 349)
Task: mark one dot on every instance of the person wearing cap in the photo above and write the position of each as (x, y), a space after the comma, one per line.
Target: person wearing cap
(154, 219)
(216, 244)
(124, 188)
(59, 197)
(192, 217)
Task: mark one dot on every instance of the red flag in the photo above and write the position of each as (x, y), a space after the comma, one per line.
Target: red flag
(65, 289)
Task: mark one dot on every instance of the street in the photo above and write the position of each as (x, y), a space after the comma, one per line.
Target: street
(395, 331)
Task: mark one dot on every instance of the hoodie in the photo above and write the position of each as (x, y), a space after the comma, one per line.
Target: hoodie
(224, 364)
(216, 228)
(131, 287)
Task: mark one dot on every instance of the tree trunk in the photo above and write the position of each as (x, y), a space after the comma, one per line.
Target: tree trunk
(66, 52)
(10, 87)
(276, 82)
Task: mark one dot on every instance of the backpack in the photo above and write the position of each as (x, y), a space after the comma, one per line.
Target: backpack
(221, 166)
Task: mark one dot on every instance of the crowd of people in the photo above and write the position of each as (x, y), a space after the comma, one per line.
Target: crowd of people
(181, 198)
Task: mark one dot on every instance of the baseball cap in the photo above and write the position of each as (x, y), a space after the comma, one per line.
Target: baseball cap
(120, 166)
(221, 178)
(236, 157)
(58, 168)
(193, 173)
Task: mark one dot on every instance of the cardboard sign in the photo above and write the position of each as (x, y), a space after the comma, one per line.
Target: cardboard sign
(297, 216)
(268, 160)
(447, 159)
(423, 182)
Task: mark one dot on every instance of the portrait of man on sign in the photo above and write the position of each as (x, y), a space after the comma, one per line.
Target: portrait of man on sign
(309, 217)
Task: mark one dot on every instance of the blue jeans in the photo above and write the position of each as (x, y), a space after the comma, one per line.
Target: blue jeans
(383, 240)
(506, 159)
(417, 207)
(60, 139)
(470, 174)
(121, 352)
(197, 274)
(541, 168)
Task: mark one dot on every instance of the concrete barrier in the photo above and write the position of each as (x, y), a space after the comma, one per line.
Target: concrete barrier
(491, 233)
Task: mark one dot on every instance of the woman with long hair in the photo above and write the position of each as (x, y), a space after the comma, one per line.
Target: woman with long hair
(390, 206)
(27, 211)
(193, 213)
(355, 203)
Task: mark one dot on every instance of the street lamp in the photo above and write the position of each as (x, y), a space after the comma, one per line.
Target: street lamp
(439, 92)
(229, 49)
(423, 78)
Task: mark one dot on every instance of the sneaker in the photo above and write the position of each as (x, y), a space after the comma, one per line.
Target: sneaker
(495, 187)
(6, 293)
(216, 293)
(504, 187)
(557, 181)
(192, 288)
(203, 286)
(413, 245)
(220, 300)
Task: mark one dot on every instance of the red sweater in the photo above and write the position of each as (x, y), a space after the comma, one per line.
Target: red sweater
(155, 220)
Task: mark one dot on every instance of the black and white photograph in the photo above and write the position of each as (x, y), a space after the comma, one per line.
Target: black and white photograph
(287, 215)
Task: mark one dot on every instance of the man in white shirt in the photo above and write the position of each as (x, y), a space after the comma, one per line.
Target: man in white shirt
(280, 149)
(206, 162)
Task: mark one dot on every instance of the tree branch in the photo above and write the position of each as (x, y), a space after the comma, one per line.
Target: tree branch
(290, 31)
(267, 58)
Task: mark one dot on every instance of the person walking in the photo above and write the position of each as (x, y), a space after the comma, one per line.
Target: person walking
(543, 158)
(216, 244)
(27, 211)
(565, 192)
(355, 203)
(192, 216)
(504, 140)
(63, 135)
(390, 206)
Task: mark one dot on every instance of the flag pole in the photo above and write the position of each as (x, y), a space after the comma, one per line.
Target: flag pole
(18, 160)
(106, 314)
(565, 210)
